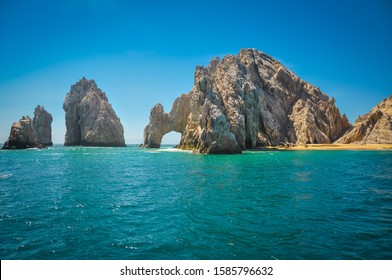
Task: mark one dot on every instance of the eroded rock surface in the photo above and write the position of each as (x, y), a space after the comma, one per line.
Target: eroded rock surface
(373, 128)
(42, 126)
(246, 101)
(90, 119)
(21, 135)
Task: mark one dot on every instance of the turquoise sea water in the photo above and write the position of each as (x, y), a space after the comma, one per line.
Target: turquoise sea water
(132, 203)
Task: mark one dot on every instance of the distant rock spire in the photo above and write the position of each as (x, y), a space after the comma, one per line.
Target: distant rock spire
(42, 126)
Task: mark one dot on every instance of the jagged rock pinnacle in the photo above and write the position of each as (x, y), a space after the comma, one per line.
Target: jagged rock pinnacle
(90, 119)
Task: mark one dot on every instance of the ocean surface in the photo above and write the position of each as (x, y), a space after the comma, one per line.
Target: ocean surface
(133, 203)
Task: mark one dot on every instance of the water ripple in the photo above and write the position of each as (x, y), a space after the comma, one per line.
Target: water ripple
(130, 203)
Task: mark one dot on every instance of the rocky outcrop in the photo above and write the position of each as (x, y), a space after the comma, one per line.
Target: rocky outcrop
(90, 119)
(246, 101)
(373, 128)
(42, 126)
(21, 135)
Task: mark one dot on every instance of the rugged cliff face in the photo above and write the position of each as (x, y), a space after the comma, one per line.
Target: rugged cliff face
(90, 119)
(42, 126)
(246, 101)
(21, 135)
(373, 128)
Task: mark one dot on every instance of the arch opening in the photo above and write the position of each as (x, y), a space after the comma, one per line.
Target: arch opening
(171, 138)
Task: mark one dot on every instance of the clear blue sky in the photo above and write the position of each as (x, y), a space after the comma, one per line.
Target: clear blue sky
(144, 52)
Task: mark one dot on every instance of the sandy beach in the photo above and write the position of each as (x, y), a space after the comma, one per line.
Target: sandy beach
(336, 147)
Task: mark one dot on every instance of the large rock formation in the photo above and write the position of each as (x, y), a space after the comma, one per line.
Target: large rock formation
(90, 120)
(373, 128)
(21, 135)
(246, 101)
(42, 126)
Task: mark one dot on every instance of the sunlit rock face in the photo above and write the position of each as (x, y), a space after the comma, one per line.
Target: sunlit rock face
(373, 128)
(21, 135)
(42, 126)
(247, 101)
(90, 119)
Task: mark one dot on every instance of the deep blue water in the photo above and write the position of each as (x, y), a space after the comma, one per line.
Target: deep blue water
(132, 203)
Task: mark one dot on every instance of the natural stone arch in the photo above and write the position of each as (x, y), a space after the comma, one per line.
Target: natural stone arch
(244, 101)
(162, 123)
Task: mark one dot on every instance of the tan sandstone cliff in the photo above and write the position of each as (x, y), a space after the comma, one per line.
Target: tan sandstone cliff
(243, 102)
(373, 128)
(90, 119)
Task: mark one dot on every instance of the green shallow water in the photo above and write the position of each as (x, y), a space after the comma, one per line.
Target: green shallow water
(131, 203)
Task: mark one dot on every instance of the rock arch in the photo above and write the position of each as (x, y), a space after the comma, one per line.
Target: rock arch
(245, 101)
(162, 123)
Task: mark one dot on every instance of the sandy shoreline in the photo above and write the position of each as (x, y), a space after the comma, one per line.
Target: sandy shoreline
(334, 147)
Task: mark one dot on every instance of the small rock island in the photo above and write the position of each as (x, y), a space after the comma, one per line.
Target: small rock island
(21, 135)
(89, 118)
(27, 133)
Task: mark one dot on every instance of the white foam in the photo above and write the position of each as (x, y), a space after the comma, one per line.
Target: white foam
(167, 150)
(173, 150)
(5, 176)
